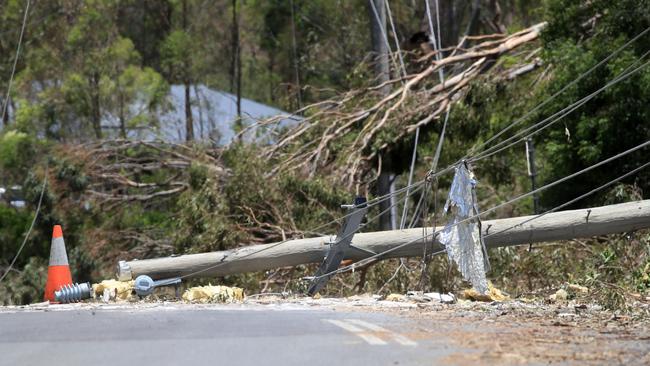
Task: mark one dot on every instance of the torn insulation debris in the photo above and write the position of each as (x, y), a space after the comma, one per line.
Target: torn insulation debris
(493, 294)
(213, 294)
(462, 236)
(113, 289)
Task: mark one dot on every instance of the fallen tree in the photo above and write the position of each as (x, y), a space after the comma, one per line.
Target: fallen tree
(562, 225)
(379, 122)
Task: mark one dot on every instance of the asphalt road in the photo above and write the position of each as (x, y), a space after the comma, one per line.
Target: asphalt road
(223, 336)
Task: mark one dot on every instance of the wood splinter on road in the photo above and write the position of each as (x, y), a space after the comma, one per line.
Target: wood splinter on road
(563, 225)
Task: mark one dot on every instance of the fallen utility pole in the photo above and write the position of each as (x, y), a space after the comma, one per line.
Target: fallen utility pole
(562, 225)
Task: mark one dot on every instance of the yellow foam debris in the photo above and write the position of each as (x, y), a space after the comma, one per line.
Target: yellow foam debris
(395, 297)
(493, 294)
(577, 289)
(560, 295)
(206, 294)
(122, 289)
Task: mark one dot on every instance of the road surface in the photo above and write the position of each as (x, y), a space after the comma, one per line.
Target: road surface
(246, 334)
(209, 337)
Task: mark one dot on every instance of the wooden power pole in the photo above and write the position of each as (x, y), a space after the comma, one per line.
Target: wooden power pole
(562, 225)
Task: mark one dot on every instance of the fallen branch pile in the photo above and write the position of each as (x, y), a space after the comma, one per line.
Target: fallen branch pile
(378, 121)
(123, 171)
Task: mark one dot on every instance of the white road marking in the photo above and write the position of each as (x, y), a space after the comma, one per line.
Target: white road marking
(369, 338)
(376, 328)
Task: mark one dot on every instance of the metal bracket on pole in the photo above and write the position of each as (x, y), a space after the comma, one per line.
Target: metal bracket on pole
(144, 285)
(339, 247)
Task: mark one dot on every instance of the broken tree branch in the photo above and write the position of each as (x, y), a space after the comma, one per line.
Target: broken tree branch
(320, 141)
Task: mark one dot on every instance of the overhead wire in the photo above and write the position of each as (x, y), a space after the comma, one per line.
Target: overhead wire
(574, 200)
(441, 74)
(480, 156)
(558, 116)
(397, 46)
(492, 209)
(433, 173)
(561, 91)
(432, 36)
(535, 217)
(622, 76)
(13, 70)
(383, 32)
(368, 204)
(29, 231)
(439, 34)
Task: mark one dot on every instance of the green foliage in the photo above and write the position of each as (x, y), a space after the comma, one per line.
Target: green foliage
(611, 269)
(81, 72)
(249, 207)
(14, 224)
(25, 286)
(576, 39)
(85, 63)
(16, 152)
(174, 51)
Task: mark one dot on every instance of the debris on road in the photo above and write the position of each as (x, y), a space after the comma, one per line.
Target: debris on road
(214, 294)
(144, 285)
(559, 295)
(462, 236)
(395, 297)
(577, 289)
(73, 293)
(419, 296)
(493, 294)
(114, 290)
(442, 298)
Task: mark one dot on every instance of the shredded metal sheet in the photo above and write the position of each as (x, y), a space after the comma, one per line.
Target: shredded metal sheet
(463, 239)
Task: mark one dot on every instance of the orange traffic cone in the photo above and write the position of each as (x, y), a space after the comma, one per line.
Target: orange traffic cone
(58, 273)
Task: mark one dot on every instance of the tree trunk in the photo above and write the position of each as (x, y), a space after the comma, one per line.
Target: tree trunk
(189, 122)
(187, 82)
(5, 116)
(380, 51)
(238, 73)
(295, 58)
(377, 16)
(445, 12)
(122, 117)
(235, 63)
(96, 114)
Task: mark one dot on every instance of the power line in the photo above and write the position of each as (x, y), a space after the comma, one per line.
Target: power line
(432, 38)
(31, 227)
(343, 269)
(558, 115)
(595, 190)
(562, 90)
(552, 184)
(441, 74)
(562, 205)
(438, 25)
(313, 230)
(383, 32)
(13, 70)
(570, 108)
(567, 109)
(399, 50)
